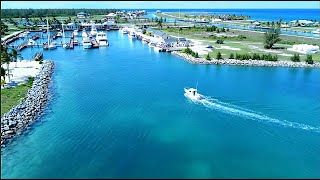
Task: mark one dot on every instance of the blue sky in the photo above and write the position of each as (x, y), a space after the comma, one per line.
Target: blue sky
(163, 4)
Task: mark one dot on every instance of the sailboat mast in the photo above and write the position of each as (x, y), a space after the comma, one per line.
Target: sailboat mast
(48, 32)
(63, 33)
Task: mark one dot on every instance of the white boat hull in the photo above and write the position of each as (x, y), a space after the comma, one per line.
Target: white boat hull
(87, 46)
(192, 96)
(103, 43)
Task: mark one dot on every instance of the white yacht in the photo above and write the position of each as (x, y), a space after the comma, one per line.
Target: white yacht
(102, 39)
(84, 33)
(93, 31)
(75, 32)
(192, 94)
(86, 43)
(124, 31)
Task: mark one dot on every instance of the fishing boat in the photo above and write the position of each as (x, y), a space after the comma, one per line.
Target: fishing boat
(102, 39)
(86, 43)
(192, 94)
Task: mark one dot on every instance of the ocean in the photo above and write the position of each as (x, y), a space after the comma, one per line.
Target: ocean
(120, 112)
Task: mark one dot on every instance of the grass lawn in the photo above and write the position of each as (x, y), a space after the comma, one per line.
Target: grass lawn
(10, 97)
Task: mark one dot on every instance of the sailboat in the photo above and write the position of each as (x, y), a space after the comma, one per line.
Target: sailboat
(64, 44)
(49, 44)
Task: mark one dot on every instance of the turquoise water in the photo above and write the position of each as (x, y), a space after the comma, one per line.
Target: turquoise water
(120, 112)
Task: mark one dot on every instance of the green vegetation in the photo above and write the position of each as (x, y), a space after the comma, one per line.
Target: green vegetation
(28, 13)
(255, 56)
(190, 52)
(309, 59)
(271, 38)
(4, 28)
(231, 56)
(295, 58)
(219, 41)
(11, 96)
(219, 56)
(208, 57)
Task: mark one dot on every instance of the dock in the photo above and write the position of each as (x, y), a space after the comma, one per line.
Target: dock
(37, 36)
(22, 45)
(38, 56)
(71, 43)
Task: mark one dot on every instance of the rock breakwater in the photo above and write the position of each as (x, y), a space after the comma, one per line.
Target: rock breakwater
(191, 59)
(30, 107)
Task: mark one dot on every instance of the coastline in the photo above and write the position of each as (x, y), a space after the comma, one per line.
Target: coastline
(235, 62)
(28, 109)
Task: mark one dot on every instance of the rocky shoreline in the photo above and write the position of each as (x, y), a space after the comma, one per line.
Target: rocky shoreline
(191, 59)
(29, 108)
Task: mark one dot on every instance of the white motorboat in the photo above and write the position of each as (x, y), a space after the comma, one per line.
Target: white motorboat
(86, 43)
(75, 41)
(152, 44)
(84, 33)
(192, 94)
(59, 34)
(316, 31)
(31, 42)
(93, 31)
(75, 33)
(102, 39)
(132, 35)
(144, 41)
(124, 31)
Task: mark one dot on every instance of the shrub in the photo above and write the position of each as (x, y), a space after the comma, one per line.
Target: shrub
(231, 56)
(295, 58)
(208, 57)
(219, 41)
(196, 55)
(309, 59)
(40, 62)
(238, 56)
(219, 56)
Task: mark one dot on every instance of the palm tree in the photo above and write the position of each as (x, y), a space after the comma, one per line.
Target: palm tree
(159, 24)
(5, 58)
(14, 55)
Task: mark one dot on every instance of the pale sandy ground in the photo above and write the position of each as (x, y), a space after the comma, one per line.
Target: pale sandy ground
(21, 71)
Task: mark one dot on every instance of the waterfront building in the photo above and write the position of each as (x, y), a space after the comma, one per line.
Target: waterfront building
(83, 15)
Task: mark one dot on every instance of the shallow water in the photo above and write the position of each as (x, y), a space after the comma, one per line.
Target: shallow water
(120, 112)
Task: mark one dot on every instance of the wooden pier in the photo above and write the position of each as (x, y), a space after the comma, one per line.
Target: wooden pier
(71, 43)
(22, 45)
(38, 56)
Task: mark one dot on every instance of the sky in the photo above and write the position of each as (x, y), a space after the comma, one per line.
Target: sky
(161, 4)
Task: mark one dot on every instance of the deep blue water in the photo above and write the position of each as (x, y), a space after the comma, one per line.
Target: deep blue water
(120, 112)
(258, 14)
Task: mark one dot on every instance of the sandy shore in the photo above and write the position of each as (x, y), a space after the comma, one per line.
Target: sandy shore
(20, 71)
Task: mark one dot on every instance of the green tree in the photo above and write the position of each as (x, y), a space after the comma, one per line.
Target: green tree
(219, 56)
(208, 57)
(295, 58)
(5, 59)
(231, 56)
(309, 59)
(196, 55)
(4, 28)
(14, 55)
(271, 38)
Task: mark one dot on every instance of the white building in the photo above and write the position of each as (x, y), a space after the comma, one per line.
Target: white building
(304, 49)
(83, 15)
(110, 17)
(301, 23)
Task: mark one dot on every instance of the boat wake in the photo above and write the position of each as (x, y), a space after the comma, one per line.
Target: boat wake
(249, 114)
